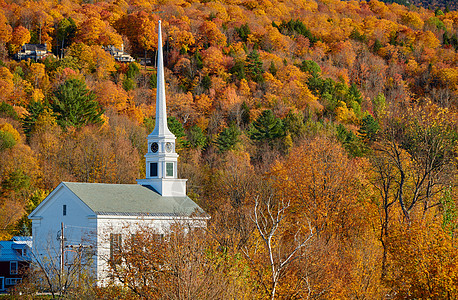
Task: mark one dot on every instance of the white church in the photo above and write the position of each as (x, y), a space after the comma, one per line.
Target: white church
(78, 215)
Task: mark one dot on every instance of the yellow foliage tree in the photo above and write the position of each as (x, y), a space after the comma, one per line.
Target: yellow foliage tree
(5, 30)
(413, 20)
(422, 262)
(20, 37)
(7, 127)
(6, 82)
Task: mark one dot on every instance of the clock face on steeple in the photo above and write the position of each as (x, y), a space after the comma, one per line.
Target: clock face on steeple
(168, 147)
(154, 147)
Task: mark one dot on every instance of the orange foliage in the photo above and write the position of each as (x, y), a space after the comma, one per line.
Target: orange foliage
(5, 29)
(214, 60)
(94, 31)
(211, 34)
(326, 188)
(423, 260)
(111, 95)
(6, 82)
(20, 36)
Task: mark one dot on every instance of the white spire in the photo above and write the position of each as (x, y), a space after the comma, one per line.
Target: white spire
(161, 159)
(161, 128)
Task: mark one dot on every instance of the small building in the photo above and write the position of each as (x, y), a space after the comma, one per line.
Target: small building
(15, 258)
(119, 54)
(32, 51)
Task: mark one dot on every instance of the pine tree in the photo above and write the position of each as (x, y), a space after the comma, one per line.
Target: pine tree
(206, 82)
(75, 105)
(254, 66)
(6, 140)
(246, 118)
(34, 109)
(243, 32)
(197, 138)
(177, 129)
(272, 69)
(267, 128)
(355, 94)
(8, 111)
(369, 129)
(228, 138)
(294, 125)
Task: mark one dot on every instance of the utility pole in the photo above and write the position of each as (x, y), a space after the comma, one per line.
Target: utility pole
(62, 249)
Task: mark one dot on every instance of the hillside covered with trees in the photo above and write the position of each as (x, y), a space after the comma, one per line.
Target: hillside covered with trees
(320, 135)
(445, 5)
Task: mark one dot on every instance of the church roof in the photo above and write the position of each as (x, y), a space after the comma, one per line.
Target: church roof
(131, 199)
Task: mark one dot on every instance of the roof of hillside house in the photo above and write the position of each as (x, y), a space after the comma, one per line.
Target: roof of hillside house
(131, 200)
(13, 250)
(34, 47)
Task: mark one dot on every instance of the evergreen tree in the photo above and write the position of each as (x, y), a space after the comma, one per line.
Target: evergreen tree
(133, 71)
(246, 119)
(128, 84)
(355, 94)
(350, 141)
(6, 140)
(7, 110)
(310, 67)
(377, 45)
(294, 125)
(34, 109)
(254, 66)
(198, 60)
(369, 129)
(66, 30)
(272, 69)
(177, 129)
(243, 32)
(196, 138)
(130, 81)
(296, 27)
(238, 70)
(75, 105)
(153, 80)
(206, 82)
(228, 138)
(267, 128)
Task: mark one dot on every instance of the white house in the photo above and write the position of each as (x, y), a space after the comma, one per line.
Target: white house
(95, 216)
(32, 51)
(119, 54)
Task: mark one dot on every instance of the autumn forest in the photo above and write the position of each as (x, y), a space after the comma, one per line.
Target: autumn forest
(319, 135)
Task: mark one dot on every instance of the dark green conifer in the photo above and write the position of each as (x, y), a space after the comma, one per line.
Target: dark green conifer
(267, 127)
(228, 138)
(75, 105)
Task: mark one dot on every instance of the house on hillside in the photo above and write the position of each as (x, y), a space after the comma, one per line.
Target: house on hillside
(32, 51)
(15, 258)
(91, 220)
(119, 54)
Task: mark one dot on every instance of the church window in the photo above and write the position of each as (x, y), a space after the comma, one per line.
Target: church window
(64, 210)
(169, 169)
(115, 248)
(153, 169)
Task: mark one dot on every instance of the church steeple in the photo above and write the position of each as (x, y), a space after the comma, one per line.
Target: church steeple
(161, 158)
(161, 127)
